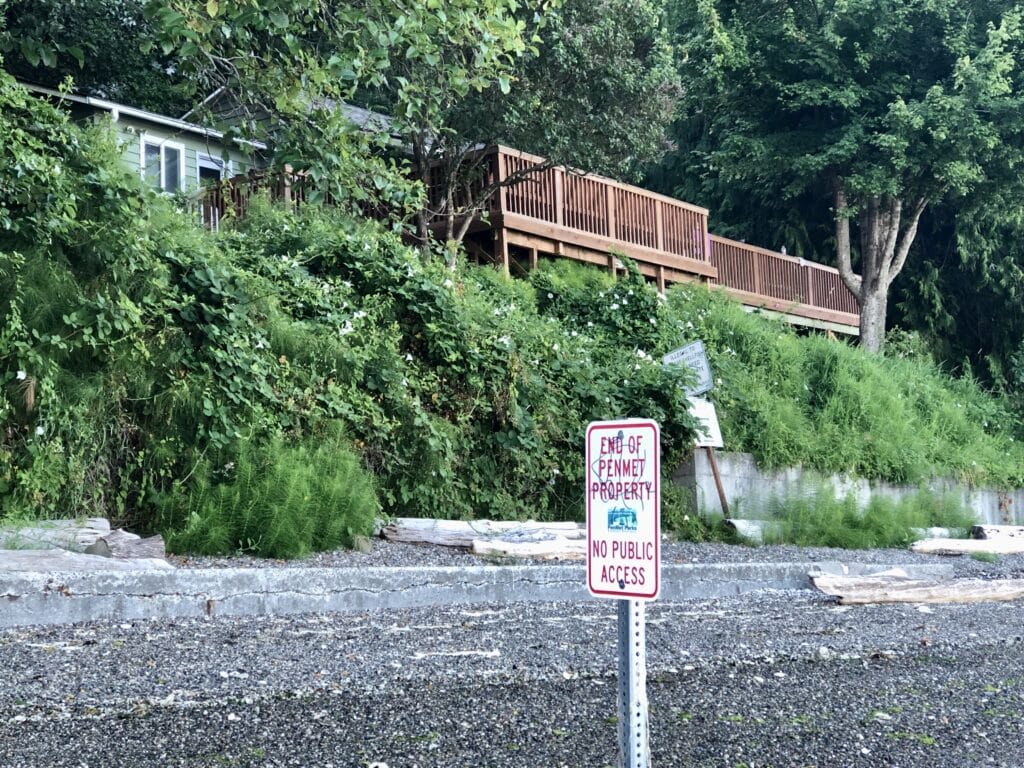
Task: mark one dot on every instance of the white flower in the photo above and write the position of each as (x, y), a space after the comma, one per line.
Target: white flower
(590, 323)
(574, 334)
(554, 347)
(448, 283)
(408, 357)
(614, 306)
(22, 376)
(358, 315)
(607, 399)
(653, 321)
(505, 340)
(625, 382)
(345, 329)
(40, 430)
(636, 367)
(347, 284)
(551, 295)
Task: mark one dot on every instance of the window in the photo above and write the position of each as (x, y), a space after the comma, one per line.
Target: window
(211, 169)
(163, 164)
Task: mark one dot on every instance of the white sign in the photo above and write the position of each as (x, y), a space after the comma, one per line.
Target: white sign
(694, 357)
(704, 411)
(624, 509)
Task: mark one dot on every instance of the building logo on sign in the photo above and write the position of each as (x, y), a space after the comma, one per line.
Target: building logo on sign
(623, 509)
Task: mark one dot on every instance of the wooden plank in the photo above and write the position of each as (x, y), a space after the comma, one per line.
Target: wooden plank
(792, 307)
(1004, 546)
(897, 587)
(555, 549)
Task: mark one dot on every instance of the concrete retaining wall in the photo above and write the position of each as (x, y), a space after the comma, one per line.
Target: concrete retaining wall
(749, 489)
(51, 598)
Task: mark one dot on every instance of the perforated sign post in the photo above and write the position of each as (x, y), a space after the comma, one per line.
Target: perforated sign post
(623, 461)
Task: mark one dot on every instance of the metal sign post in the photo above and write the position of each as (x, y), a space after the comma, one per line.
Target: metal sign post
(623, 473)
(634, 745)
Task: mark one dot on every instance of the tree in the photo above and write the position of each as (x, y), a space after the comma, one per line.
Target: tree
(890, 107)
(96, 42)
(597, 93)
(292, 63)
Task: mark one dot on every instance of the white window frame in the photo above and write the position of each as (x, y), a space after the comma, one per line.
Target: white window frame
(225, 165)
(164, 144)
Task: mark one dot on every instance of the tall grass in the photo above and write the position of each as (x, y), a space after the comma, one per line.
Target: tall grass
(825, 404)
(820, 519)
(275, 500)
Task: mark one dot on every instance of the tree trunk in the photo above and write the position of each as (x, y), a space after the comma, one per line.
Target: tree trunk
(872, 318)
(885, 240)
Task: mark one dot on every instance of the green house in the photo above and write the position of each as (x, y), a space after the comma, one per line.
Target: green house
(171, 154)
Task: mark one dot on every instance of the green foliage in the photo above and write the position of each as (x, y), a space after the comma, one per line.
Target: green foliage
(470, 393)
(821, 520)
(806, 400)
(300, 59)
(96, 42)
(864, 113)
(274, 499)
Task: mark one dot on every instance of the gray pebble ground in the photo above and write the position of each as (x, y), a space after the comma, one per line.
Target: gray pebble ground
(768, 679)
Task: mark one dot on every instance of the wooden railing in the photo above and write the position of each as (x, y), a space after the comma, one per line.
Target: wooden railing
(760, 277)
(618, 213)
(230, 198)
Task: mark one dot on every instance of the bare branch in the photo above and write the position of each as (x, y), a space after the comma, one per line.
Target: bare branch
(907, 239)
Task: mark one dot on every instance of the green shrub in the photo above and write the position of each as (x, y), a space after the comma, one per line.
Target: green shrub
(819, 519)
(274, 500)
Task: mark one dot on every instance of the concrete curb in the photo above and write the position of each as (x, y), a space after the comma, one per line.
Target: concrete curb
(65, 598)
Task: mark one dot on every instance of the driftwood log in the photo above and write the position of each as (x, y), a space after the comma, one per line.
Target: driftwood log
(72, 535)
(897, 587)
(1004, 546)
(554, 549)
(127, 546)
(997, 532)
(63, 560)
(462, 533)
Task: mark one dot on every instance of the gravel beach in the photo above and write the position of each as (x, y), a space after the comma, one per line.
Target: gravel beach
(767, 679)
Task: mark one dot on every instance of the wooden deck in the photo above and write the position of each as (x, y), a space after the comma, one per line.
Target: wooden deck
(591, 218)
(561, 213)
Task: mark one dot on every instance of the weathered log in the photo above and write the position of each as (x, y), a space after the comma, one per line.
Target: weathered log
(997, 532)
(61, 560)
(73, 535)
(968, 546)
(462, 533)
(553, 549)
(126, 546)
(896, 587)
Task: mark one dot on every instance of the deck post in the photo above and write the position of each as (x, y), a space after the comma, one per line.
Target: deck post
(286, 186)
(533, 259)
(661, 278)
(809, 298)
(501, 251)
(755, 259)
(611, 264)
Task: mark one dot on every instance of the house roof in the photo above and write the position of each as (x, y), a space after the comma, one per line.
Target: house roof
(118, 110)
